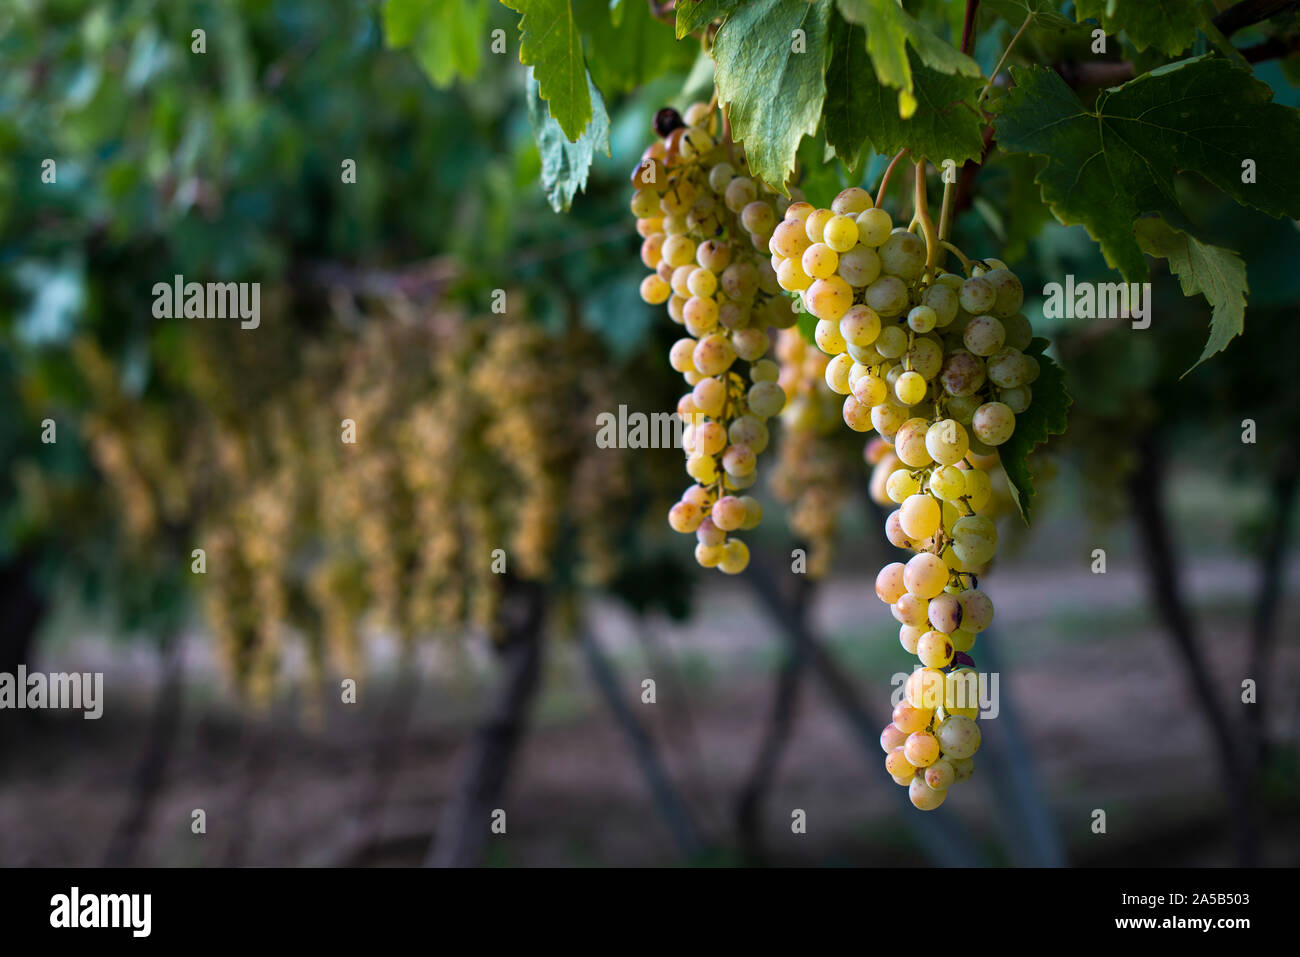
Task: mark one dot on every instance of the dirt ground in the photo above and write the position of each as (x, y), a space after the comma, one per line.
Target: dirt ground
(1096, 693)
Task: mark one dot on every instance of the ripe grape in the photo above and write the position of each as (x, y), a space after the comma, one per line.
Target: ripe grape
(958, 736)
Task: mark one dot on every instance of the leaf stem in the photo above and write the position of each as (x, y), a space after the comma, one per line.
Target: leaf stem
(1005, 53)
(968, 27)
(884, 180)
(965, 262)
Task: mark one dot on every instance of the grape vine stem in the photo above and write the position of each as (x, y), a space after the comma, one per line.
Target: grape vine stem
(1005, 53)
(884, 180)
(932, 244)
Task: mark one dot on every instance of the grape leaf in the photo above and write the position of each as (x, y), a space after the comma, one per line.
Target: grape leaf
(845, 111)
(623, 57)
(858, 105)
(1046, 416)
(445, 37)
(693, 14)
(1045, 14)
(1168, 25)
(550, 44)
(769, 57)
(1216, 273)
(889, 31)
(1108, 166)
(565, 164)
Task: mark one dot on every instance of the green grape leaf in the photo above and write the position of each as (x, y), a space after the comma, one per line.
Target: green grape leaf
(1046, 416)
(551, 45)
(845, 111)
(1216, 273)
(1168, 25)
(947, 126)
(1044, 15)
(693, 14)
(889, 31)
(565, 164)
(1109, 165)
(623, 57)
(769, 57)
(446, 38)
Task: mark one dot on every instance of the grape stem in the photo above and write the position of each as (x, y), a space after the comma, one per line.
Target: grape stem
(884, 180)
(1005, 53)
(965, 262)
(932, 243)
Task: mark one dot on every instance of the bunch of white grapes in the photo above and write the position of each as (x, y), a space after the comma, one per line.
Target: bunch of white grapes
(934, 362)
(706, 224)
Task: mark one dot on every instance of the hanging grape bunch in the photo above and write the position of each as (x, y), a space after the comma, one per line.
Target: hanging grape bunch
(706, 226)
(934, 362)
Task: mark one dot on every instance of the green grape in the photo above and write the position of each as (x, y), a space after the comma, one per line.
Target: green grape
(945, 612)
(709, 396)
(857, 416)
(993, 423)
(739, 461)
(940, 775)
(1017, 399)
(910, 719)
(892, 342)
(889, 583)
(710, 438)
(1018, 331)
(962, 374)
(829, 299)
(962, 768)
(978, 488)
(886, 417)
(678, 251)
(829, 340)
(977, 296)
(910, 388)
(910, 610)
(735, 557)
(851, 202)
(922, 319)
(1008, 292)
(713, 354)
(891, 737)
(900, 485)
(837, 372)
(753, 512)
(757, 217)
(925, 357)
(685, 517)
(765, 370)
(654, 290)
(961, 692)
(1008, 369)
(720, 175)
(922, 749)
(740, 192)
(860, 266)
(749, 344)
(791, 277)
(874, 227)
(709, 555)
(740, 281)
(860, 326)
(977, 610)
(897, 765)
(887, 295)
(894, 531)
(909, 635)
(935, 649)
(903, 255)
(765, 399)
(948, 483)
(924, 797)
(909, 443)
(962, 640)
(946, 442)
(870, 390)
(840, 233)
(819, 261)
(701, 282)
(984, 335)
(749, 430)
(924, 688)
(789, 240)
(943, 300)
(924, 575)
(815, 224)
(958, 736)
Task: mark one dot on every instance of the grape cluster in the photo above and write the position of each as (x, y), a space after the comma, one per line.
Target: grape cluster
(934, 362)
(706, 224)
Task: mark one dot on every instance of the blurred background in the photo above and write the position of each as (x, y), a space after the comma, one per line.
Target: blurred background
(325, 562)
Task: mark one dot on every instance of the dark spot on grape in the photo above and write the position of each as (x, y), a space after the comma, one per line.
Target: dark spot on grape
(667, 120)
